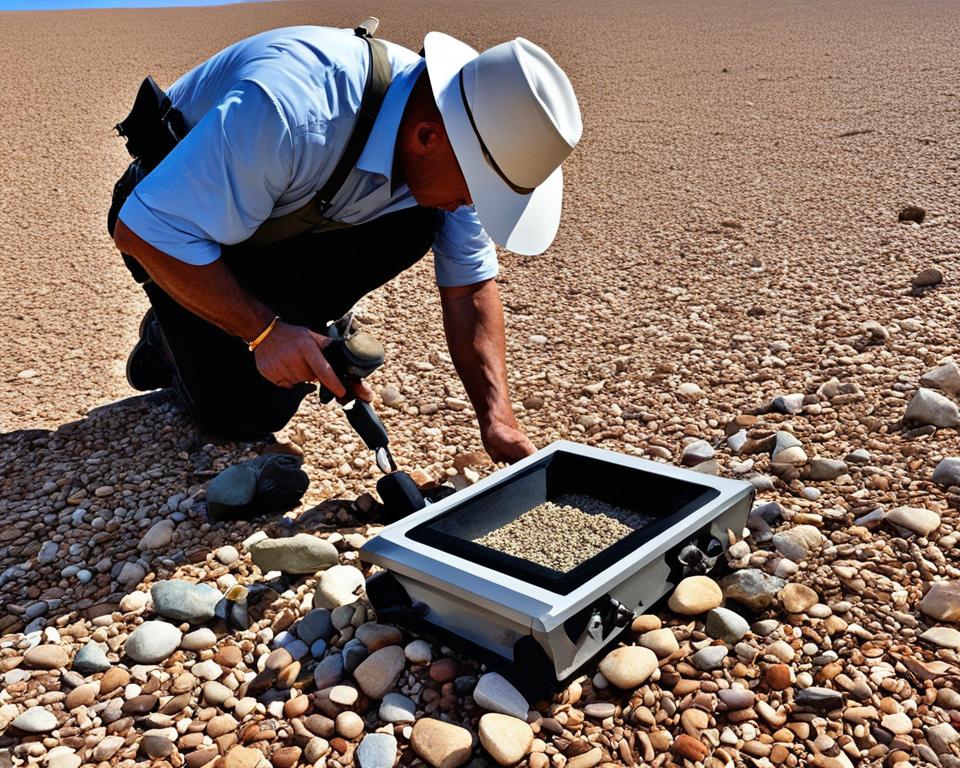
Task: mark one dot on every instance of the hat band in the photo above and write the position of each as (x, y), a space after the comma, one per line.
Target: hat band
(483, 147)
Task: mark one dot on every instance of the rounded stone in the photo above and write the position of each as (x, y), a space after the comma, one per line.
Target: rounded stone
(495, 693)
(36, 720)
(349, 725)
(379, 672)
(91, 658)
(397, 708)
(300, 553)
(199, 640)
(695, 595)
(778, 677)
(726, 625)
(628, 666)
(185, 601)
(376, 636)
(316, 625)
(418, 652)
(377, 750)
(942, 601)
(797, 598)
(506, 738)
(46, 657)
(440, 744)
(709, 658)
(152, 642)
(661, 641)
(338, 586)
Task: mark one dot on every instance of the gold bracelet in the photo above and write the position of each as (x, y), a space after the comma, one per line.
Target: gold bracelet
(252, 345)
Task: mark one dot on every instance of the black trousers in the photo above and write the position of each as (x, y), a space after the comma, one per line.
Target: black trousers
(308, 280)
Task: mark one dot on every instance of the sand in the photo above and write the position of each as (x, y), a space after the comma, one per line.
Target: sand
(565, 532)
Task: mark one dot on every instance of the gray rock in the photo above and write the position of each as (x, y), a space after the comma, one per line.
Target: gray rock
(942, 737)
(762, 482)
(788, 403)
(764, 627)
(91, 658)
(859, 456)
(316, 624)
(945, 378)
(930, 407)
(697, 452)
(131, 574)
(354, 652)
(947, 473)
(377, 750)
(397, 708)
(183, 601)
(233, 487)
(826, 469)
(300, 553)
(737, 697)
(752, 587)
(823, 699)
(329, 672)
(48, 553)
(36, 720)
(770, 511)
(709, 658)
(495, 693)
(152, 642)
(726, 625)
(158, 536)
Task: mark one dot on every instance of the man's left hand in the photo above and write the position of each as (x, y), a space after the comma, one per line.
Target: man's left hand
(506, 442)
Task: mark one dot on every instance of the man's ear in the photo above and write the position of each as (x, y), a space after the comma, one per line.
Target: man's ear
(428, 136)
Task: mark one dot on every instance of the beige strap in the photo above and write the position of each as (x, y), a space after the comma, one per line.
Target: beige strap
(252, 345)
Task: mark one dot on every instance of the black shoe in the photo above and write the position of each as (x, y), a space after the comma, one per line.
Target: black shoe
(147, 365)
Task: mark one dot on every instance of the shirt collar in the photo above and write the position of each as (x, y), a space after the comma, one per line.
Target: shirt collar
(377, 155)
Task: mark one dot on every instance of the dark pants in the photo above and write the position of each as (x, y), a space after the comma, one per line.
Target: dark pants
(308, 280)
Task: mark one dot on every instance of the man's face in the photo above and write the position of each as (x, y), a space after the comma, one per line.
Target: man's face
(431, 169)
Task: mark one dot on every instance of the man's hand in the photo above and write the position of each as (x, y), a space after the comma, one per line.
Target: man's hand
(505, 442)
(292, 354)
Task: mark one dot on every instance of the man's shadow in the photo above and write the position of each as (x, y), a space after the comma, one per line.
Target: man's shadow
(82, 507)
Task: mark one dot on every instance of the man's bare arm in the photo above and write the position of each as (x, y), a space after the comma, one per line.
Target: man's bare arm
(473, 321)
(289, 355)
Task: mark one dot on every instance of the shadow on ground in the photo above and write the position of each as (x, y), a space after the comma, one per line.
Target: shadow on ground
(77, 504)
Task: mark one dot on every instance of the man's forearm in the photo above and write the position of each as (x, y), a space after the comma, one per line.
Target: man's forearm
(211, 291)
(473, 321)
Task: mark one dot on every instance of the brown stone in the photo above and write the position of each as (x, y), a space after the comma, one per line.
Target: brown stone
(778, 676)
(140, 705)
(296, 707)
(242, 757)
(201, 757)
(82, 695)
(176, 704)
(228, 656)
(113, 678)
(285, 757)
(690, 748)
(221, 724)
(319, 725)
(443, 670)
(46, 657)
(156, 747)
(277, 660)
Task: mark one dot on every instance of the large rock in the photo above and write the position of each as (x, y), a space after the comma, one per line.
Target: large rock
(380, 671)
(826, 469)
(338, 585)
(185, 601)
(799, 542)
(301, 553)
(506, 738)
(36, 720)
(947, 473)
(918, 520)
(695, 595)
(628, 666)
(797, 598)
(158, 536)
(942, 601)
(787, 450)
(726, 625)
(316, 625)
(91, 658)
(495, 693)
(945, 378)
(152, 642)
(752, 587)
(377, 750)
(930, 407)
(46, 657)
(440, 744)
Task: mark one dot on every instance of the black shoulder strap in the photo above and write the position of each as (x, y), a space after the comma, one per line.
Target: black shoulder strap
(379, 76)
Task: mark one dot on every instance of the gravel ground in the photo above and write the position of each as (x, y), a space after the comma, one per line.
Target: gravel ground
(730, 236)
(565, 532)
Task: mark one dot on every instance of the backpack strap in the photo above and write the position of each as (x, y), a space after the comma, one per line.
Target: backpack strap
(312, 215)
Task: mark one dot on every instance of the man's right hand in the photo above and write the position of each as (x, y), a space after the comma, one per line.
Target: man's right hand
(293, 354)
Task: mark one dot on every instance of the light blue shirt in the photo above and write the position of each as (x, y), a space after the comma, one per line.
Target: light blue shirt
(269, 118)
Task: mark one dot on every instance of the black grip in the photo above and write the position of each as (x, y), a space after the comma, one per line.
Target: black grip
(367, 424)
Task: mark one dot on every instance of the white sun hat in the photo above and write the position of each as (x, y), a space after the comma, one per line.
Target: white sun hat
(512, 118)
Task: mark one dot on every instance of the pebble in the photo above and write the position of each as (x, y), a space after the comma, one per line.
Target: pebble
(152, 642)
(628, 666)
(799, 542)
(797, 598)
(695, 595)
(316, 625)
(495, 693)
(662, 642)
(349, 725)
(158, 536)
(380, 671)
(36, 720)
(928, 406)
(377, 750)
(107, 747)
(199, 640)
(397, 708)
(91, 658)
(942, 601)
(919, 520)
(440, 744)
(752, 587)
(300, 553)
(726, 625)
(944, 637)
(506, 738)
(944, 377)
(242, 757)
(329, 672)
(184, 601)
(338, 586)
(737, 697)
(376, 636)
(827, 469)
(709, 658)
(227, 554)
(418, 652)
(947, 472)
(46, 657)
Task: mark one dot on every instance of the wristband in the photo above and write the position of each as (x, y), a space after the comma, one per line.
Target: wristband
(252, 345)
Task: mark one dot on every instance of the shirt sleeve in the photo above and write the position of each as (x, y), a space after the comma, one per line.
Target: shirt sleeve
(219, 183)
(463, 252)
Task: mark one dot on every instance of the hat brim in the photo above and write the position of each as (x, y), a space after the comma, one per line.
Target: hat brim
(525, 224)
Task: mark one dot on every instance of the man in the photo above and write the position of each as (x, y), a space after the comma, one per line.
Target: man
(462, 145)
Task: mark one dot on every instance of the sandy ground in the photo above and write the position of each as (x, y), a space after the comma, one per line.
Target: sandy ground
(730, 222)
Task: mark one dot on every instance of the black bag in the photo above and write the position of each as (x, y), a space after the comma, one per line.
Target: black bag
(152, 129)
